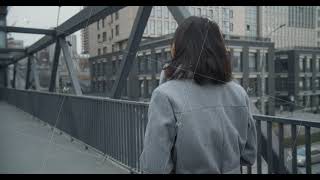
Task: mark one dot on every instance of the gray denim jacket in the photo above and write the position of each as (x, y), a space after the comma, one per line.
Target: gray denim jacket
(198, 129)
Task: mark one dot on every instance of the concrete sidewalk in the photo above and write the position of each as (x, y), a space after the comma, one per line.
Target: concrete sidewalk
(25, 148)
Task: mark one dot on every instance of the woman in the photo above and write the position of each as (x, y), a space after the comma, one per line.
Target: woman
(199, 119)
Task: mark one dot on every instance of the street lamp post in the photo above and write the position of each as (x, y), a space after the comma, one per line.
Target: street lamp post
(262, 69)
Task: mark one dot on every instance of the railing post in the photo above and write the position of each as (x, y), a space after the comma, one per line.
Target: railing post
(308, 149)
(28, 73)
(281, 149)
(259, 160)
(14, 75)
(294, 148)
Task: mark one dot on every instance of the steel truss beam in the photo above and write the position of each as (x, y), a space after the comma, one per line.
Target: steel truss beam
(132, 47)
(9, 50)
(27, 30)
(81, 20)
(55, 63)
(70, 66)
(179, 13)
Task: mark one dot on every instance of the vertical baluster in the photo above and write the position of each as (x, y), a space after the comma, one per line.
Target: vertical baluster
(269, 147)
(294, 148)
(258, 124)
(281, 149)
(308, 149)
(249, 170)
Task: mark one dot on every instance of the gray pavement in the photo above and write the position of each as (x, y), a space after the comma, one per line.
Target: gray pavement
(25, 148)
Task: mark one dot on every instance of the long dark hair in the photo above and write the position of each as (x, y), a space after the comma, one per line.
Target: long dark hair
(199, 53)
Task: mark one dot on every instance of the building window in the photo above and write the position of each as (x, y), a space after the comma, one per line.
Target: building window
(211, 14)
(104, 36)
(117, 30)
(301, 64)
(112, 33)
(248, 27)
(253, 84)
(159, 27)
(98, 37)
(231, 13)
(117, 15)
(159, 11)
(193, 11)
(237, 61)
(104, 50)
(173, 26)
(166, 27)
(112, 47)
(99, 52)
(98, 26)
(301, 83)
(252, 62)
(152, 27)
(198, 11)
(166, 12)
(231, 27)
(318, 64)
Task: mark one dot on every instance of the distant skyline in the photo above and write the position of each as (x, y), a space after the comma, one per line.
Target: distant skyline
(44, 17)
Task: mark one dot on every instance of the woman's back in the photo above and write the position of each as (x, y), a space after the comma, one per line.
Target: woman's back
(201, 129)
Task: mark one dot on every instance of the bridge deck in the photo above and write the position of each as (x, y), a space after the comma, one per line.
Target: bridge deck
(26, 148)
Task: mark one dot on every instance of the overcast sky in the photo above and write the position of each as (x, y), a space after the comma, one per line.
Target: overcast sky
(39, 17)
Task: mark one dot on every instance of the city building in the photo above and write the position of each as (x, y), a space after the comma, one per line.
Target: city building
(297, 78)
(300, 25)
(247, 52)
(111, 33)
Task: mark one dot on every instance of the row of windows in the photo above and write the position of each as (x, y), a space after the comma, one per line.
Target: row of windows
(147, 87)
(305, 83)
(305, 64)
(103, 20)
(253, 60)
(309, 101)
(104, 34)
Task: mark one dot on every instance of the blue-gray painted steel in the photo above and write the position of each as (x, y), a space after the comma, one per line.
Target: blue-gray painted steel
(117, 127)
(132, 48)
(70, 66)
(179, 13)
(55, 65)
(27, 30)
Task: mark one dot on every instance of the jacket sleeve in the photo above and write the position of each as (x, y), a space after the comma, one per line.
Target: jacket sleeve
(159, 137)
(249, 153)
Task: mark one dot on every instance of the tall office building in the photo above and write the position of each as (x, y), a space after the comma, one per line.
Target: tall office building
(318, 26)
(300, 27)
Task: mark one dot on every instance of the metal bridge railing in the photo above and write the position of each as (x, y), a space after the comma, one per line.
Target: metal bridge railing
(116, 128)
